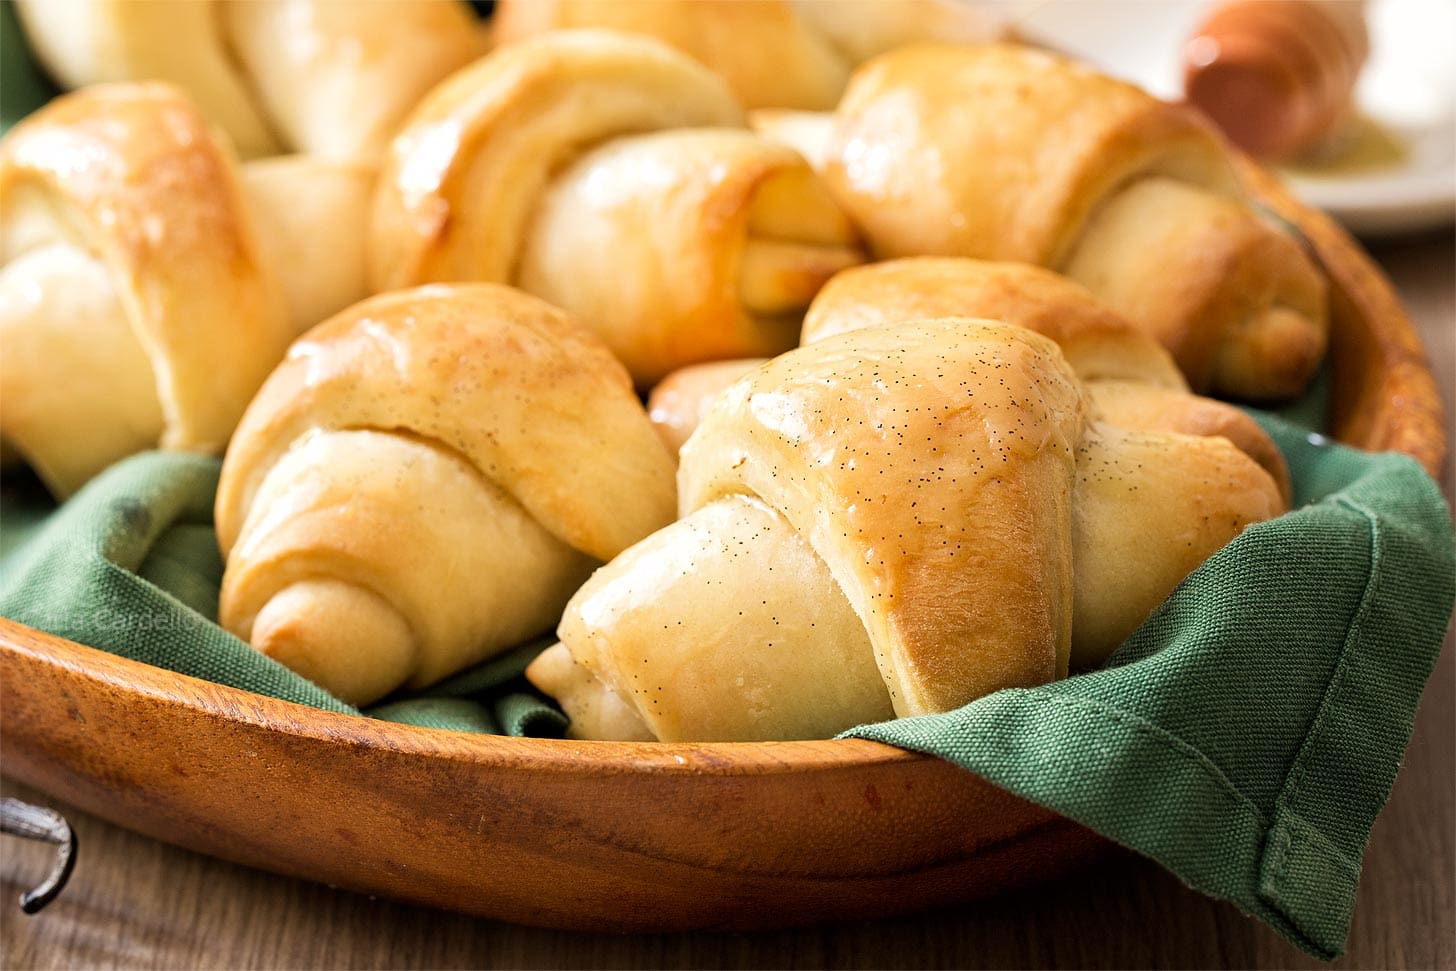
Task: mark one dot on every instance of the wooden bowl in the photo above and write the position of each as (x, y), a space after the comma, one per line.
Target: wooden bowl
(604, 835)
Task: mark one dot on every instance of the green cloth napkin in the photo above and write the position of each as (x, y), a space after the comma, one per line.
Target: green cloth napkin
(1245, 736)
(130, 565)
(23, 87)
(1248, 733)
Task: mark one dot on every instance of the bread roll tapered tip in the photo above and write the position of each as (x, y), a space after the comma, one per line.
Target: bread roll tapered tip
(299, 618)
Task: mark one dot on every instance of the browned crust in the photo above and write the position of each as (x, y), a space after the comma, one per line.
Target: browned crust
(142, 180)
(1386, 398)
(529, 396)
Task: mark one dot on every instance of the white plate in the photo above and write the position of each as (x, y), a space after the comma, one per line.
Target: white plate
(1408, 87)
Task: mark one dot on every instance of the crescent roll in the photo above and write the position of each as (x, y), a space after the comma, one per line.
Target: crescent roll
(312, 217)
(891, 521)
(679, 402)
(611, 175)
(1098, 343)
(786, 53)
(1007, 153)
(136, 306)
(325, 77)
(424, 481)
(1130, 377)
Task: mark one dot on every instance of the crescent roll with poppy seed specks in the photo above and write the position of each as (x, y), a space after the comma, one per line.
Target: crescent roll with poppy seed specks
(891, 521)
(1132, 380)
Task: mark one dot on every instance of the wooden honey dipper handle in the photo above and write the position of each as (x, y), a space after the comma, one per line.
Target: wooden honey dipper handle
(1277, 75)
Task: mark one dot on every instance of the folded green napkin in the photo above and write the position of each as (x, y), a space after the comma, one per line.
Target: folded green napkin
(1245, 736)
(1248, 733)
(23, 87)
(130, 565)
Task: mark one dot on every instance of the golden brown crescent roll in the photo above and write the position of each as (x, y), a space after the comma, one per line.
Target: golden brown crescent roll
(326, 77)
(680, 400)
(1130, 376)
(790, 53)
(893, 520)
(1148, 407)
(424, 482)
(1007, 153)
(1237, 302)
(1097, 342)
(136, 305)
(312, 216)
(561, 164)
(810, 133)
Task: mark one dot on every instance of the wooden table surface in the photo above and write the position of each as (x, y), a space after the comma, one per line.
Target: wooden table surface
(134, 902)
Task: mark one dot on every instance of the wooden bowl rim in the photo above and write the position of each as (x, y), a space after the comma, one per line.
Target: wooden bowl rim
(536, 754)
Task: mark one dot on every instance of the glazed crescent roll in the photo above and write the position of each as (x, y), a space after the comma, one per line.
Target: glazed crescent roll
(150, 281)
(325, 77)
(680, 401)
(891, 521)
(771, 52)
(312, 217)
(136, 306)
(1149, 407)
(1098, 343)
(1131, 378)
(610, 175)
(424, 481)
(1007, 153)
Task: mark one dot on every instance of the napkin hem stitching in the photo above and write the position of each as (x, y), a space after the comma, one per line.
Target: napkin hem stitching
(1288, 800)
